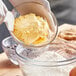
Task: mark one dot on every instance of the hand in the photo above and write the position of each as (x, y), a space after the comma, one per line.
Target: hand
(45, 3)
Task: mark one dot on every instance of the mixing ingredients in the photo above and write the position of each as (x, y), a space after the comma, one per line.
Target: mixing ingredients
(55, 61)
(36, 25)
(32, 29)
(43, 63)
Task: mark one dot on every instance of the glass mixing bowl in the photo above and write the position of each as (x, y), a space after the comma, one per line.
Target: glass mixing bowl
(44, 62)
(39, 10)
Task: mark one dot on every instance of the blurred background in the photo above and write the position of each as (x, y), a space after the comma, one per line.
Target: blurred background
(64, 10)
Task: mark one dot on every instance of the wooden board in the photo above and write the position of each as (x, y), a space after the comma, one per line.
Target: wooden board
(7, 68)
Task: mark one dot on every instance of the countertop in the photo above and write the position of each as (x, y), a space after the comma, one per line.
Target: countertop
(7, 68)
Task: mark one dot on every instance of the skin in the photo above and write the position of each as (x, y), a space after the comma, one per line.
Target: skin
(73, 72)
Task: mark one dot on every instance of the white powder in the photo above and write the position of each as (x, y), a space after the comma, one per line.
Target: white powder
(50, 56)
(33, 70)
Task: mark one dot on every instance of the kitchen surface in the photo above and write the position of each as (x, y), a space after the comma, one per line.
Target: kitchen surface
(6, 70)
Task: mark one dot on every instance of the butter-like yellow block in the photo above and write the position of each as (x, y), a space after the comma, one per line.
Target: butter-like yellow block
(31, 29)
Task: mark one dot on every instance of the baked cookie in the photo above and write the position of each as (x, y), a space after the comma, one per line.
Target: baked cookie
(67, 32)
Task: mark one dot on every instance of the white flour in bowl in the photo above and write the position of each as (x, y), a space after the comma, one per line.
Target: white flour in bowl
(34, 70)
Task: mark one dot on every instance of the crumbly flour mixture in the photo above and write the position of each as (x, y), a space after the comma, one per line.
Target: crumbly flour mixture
(31, 29)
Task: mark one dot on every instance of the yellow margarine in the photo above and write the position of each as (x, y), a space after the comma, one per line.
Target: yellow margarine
(31, 29)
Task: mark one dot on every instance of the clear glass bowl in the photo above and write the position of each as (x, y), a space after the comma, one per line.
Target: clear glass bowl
(39, 10)
(44, 62)
(9, 47)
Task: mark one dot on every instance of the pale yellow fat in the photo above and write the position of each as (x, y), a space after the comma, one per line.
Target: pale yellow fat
(31, 29)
